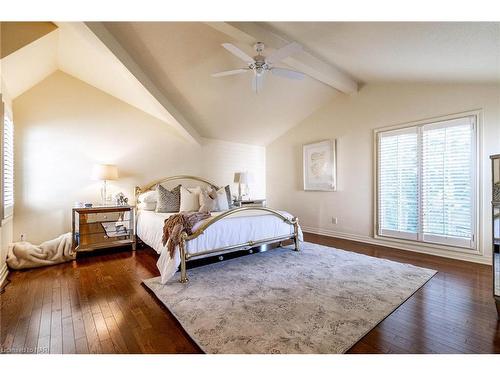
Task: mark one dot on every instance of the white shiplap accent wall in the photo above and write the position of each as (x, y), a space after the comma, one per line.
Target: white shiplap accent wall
(221, 159)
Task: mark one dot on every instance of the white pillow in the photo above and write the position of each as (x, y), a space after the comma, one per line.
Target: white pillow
(220, 197)
(189, 201)
(207, 203)
(148, 197)
(147, 206)
(196, 190)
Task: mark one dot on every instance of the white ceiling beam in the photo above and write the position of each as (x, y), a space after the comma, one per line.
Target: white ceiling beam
(175, 117)
(252, 32)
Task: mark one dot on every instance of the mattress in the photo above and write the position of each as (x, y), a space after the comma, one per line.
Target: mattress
(236, 229)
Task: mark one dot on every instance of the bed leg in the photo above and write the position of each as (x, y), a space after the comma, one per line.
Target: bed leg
(182, 249)
(296, 233)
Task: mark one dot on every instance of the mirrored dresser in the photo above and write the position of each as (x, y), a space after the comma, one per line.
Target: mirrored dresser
(495, 172)
(102, 227)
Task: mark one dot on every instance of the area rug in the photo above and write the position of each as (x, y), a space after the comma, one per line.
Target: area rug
(318, 300)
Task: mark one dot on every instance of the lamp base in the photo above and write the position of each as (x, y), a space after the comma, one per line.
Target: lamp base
(103, 193)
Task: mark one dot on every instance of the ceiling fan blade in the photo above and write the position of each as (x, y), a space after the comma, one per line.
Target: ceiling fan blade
(230, 72)
(238, 53)
(257, 82)
(284, 52)
(287, 73)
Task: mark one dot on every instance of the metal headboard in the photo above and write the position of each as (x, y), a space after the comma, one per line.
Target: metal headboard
(139, 190)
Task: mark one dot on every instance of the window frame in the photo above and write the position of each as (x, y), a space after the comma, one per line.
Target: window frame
(4, 213)
(477, 198)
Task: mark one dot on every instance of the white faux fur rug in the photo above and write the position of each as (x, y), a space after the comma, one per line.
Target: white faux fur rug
(318, 300)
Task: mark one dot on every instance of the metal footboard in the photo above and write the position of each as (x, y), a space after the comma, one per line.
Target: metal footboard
(186, 256)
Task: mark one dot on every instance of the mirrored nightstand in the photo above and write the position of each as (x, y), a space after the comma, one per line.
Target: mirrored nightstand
(103, 227)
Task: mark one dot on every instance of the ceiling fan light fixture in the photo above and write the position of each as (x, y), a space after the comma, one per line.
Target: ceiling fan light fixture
(261, 64)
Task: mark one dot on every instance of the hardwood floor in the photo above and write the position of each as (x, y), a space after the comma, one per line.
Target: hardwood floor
(98, 305)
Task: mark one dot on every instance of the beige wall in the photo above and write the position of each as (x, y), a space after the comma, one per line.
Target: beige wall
(64, 126)
(351, 119)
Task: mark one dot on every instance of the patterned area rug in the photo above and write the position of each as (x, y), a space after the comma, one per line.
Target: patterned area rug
(318, 300)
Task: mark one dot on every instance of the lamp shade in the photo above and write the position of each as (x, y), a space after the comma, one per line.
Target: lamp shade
(105, 172)
(241, 177)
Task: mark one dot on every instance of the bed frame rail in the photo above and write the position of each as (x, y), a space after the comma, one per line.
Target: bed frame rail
(185, 255)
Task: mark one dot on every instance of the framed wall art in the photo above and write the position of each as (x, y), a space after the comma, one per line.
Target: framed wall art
(320, 161)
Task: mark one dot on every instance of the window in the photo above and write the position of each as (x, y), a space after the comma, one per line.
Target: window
(426, 187)
(8, 166)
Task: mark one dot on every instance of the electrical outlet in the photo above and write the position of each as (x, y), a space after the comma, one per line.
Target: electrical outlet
(334, 220)
(23, 237)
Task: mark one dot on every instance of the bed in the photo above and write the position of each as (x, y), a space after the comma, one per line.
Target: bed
(223, 232)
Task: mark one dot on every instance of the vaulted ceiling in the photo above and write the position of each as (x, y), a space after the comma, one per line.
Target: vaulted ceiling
(164, 68)
(180, 57)
(75, 50)
(404, 51)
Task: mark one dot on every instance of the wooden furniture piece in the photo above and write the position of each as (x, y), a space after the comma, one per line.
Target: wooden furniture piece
(495, 212)
(250, 203)
(102, 227)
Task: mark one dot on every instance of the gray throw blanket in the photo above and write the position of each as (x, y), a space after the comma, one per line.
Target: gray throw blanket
(26, 255)
(178, 223)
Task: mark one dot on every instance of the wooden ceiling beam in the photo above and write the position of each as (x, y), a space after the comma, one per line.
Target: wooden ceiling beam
(175, 117)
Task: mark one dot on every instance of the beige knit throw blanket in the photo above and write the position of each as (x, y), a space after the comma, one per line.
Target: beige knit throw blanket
(178, 223)
(26, 255)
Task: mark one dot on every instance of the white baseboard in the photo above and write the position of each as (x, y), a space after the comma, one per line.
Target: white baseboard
(4, 271)
(399, 245)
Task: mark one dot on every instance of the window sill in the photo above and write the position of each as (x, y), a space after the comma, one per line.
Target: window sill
(430, 246)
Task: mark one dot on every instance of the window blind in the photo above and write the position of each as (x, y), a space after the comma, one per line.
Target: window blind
(426, 182)
(447, 181)
(8, 166)
(398, 184)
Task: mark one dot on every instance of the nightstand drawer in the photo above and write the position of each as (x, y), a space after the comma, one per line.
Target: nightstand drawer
(103, 216)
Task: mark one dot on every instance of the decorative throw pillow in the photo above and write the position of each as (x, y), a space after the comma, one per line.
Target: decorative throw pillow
(190, 201)
(196, 190)
(207, 203)
(220, 198)
(168, 201)
(150, 196)
(228, 195)
(496, 191)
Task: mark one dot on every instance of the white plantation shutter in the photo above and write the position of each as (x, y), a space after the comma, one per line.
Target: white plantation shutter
(8, 167)
(398, 184)
(426, 187)
(448, 182)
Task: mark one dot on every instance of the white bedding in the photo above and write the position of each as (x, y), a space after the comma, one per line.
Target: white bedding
(237, 229)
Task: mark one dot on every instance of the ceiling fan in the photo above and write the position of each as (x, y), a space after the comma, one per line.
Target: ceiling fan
(261, 64)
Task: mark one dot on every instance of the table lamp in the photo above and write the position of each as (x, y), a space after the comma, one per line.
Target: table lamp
(240, 178)
(104, 172)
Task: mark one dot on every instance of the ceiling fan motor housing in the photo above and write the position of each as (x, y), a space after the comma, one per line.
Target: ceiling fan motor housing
(259, 47)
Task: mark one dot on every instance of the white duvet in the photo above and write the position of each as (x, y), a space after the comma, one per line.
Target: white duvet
(237, 229)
